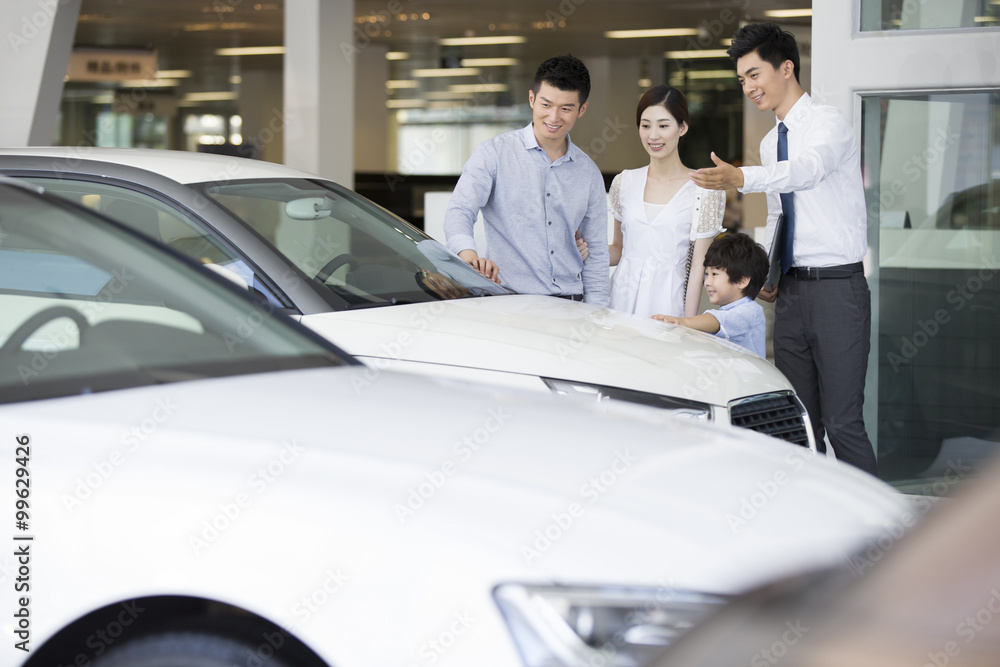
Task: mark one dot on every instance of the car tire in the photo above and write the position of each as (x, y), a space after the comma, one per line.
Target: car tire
(188, 649)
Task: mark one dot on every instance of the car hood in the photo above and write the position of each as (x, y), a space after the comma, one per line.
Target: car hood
(417, 496)
(550, 337)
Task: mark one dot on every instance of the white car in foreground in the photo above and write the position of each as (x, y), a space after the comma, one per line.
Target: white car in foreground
(397, 299)
(195, 481)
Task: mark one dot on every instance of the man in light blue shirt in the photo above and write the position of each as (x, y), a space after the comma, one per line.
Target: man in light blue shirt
(537, 191)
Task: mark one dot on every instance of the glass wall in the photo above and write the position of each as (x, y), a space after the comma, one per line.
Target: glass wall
(931, 163)
(928, 14)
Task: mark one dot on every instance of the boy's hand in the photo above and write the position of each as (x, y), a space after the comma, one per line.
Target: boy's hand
(669, 319)
(723, 176)
(582, 247)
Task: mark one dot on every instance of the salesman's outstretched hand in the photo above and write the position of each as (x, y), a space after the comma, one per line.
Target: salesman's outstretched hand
(723, 176)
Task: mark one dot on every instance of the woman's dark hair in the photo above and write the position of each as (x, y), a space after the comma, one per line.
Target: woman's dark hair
(664, 96)
(740, 257)
(771, 43)
(565, 73)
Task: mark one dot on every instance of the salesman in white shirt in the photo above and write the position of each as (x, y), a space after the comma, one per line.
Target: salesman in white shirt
(811, 173)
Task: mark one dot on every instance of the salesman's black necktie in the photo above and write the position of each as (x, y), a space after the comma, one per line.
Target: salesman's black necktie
(787, 206)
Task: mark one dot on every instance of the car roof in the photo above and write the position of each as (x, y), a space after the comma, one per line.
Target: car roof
(181, 166)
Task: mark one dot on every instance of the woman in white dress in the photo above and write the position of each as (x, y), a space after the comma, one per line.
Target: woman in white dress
(664, 223)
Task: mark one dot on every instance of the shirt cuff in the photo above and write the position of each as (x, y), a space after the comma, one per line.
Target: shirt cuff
(754, 179)
(461, 242)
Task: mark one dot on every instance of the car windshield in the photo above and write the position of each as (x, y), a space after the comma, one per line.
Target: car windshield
(87, 306)
(354, 248)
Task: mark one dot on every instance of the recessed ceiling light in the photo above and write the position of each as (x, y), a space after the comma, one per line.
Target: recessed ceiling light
(251, 51)
(479, 88)
(788, 13)
(405, 104)
(663, 32)
(447, 71)
(400, 83)
(489, 62)
(476, 41)
(397, 55)
(210, 96)
(698, 53)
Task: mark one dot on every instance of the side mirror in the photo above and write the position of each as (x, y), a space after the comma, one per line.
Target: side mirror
(309, 208)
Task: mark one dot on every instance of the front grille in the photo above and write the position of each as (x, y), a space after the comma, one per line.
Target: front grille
(779, 415)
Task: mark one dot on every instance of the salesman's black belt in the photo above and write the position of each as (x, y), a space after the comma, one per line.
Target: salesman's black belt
(571, 297)
(825, 272)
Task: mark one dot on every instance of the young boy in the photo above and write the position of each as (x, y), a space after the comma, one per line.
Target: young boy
(735, 270)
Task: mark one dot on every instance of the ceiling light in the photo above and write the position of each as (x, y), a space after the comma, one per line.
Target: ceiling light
(149, 83)
(705, 74)
(479, 88)
(401, 83)
(476, 41)
(489, 62)
(447, 71)
(665, 32)
(397, 55)
(251, 51)
(986, 19)
(173, 73)
(210, 97)
(703, 53)
(645, 83)
(788, 13)
(405, 104)
(447, 95)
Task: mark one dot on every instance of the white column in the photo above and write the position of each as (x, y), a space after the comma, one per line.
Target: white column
(371, 125)
(38, 37)
(320, 56)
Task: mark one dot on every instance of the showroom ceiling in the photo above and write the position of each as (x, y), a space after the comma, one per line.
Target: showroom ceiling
(186, 33)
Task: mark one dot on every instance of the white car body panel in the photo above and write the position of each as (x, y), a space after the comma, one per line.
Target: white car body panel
(116, 509)
(542, 336)
(489, 339)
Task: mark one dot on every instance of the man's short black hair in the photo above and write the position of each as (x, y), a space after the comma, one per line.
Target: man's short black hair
(739, 256)
(771, 43)
(565, 73)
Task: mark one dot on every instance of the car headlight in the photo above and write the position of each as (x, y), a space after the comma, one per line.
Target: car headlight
(567, 626)
(597, 392)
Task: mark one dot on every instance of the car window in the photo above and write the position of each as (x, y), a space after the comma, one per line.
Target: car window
(350, 246)
(87, 306)
(159, 221)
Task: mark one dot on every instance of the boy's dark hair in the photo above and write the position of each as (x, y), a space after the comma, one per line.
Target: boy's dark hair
(739, 256)
(565, 73)
(771, 43)
(664, 96)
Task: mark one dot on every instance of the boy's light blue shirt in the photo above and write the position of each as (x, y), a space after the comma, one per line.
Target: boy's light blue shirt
(532, 208)
(742, 322)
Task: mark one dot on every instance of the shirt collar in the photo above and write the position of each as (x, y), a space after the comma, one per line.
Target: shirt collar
(733, 304)
(797, 112)
(531, 142)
